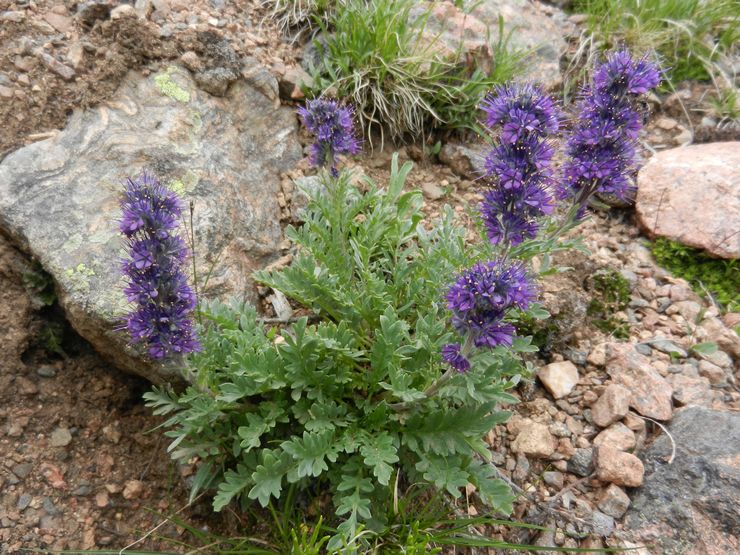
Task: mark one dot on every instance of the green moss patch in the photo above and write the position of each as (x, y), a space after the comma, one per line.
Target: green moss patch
(720, 278)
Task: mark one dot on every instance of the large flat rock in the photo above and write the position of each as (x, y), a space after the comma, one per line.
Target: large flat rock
(59, 197)
(529, 26)
(692, 195)
(690, 504)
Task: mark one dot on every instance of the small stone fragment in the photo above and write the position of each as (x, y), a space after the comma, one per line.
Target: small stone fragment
(112, 433)
(64, 71)
(651, 395)
(553, 478)
(61, 437)
(23, 501)
(292, 83)
(603, 525)
(618, 467)
(613, 404)
(559, 378)
(46, 371)
(617, 435)
(133, 489)
(614, 501)
(581, 463)
(669, 348)
(712, 372)
(102, 500)
(432, 191)
(688, 390)
(26, 386)
(534, 440)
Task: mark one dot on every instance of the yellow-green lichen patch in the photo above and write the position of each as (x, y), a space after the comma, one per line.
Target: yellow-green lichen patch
(167, 86)
(79, 277)
(184, 185)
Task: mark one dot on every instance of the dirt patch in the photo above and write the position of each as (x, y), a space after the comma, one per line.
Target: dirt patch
(47, 73)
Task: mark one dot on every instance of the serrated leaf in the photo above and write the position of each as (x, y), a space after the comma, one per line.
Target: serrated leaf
(444, 473)
(493, 491)
(268, 478)
(310, 453)
(235, 482)
(251, 434)
(379, 452)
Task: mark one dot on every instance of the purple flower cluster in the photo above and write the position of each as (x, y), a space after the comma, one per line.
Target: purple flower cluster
(156, 283)
(479, 300)
(519, 165)
(332, 125)
(601, 148)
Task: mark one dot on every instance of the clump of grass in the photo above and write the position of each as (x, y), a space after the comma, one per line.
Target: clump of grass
(693, 38)
(379, 58)
(611, 293)
(721, 278)
(301, 15)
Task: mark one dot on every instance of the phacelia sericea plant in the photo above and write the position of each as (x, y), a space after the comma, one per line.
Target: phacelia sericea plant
(156, 283)
(332, 125)
(602, 146)
(408, 341)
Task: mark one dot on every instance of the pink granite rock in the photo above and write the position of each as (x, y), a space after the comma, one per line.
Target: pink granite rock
(692, 195)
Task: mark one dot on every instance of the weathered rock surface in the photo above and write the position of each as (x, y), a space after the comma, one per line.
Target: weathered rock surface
(651, 393)
(59, 197)
(534, 440)
(531, 26)
(559, 378)
(613, 404)
(690, 505)
(616, 467)
(692, 195)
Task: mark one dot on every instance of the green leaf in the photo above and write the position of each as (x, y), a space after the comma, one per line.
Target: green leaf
(524, 345)
(268, 477)
(444, 473)
(202, 480)
(251, 434)
(379, 452)
(536, 310)
(310, 453)
(493, 491)
(707, 348)
(235, 482)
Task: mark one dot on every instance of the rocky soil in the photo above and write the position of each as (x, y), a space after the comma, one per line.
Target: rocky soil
(599, 447)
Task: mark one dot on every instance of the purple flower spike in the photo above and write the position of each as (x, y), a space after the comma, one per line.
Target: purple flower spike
(518, 167)
(521, 109)
(482, 296)
(332, 126)
(156, 283)
(451, 355)
(602, 146)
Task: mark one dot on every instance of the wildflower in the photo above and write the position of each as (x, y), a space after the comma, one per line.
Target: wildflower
(518, 167)
(602, 147)
(331, 123)
(451, 355)
(481, 298)
(519, 109)
(156, 283)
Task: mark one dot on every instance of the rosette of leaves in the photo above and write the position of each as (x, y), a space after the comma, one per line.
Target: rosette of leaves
(348, 399)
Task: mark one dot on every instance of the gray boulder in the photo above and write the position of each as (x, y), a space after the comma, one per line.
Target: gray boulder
(59, 197)
(690, 505)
